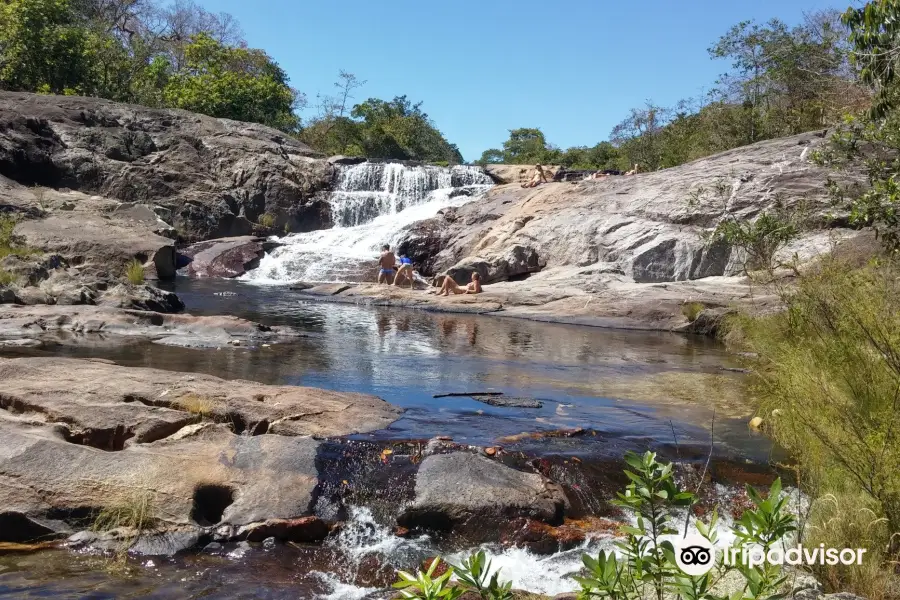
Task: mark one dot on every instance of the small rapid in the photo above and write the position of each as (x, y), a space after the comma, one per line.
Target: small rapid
(371, 204)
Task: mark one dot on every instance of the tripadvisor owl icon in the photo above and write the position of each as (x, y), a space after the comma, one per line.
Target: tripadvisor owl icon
(694, 555)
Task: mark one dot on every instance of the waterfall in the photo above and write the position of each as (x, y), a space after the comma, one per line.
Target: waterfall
(371, 204)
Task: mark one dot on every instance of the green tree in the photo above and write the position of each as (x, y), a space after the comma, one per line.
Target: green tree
(42, 47)
(638, 137)
(232, 82)
(875, 35)
(526, 145)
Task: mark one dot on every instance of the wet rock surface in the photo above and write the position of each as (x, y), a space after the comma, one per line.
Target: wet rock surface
(225, 257)
(471, 494)
(96, 325)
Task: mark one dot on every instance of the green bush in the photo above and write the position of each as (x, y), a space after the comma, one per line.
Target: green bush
(134, 272)
(827, 372)
(760, 239)
(691, 310)
(266, 221)
(9, 242)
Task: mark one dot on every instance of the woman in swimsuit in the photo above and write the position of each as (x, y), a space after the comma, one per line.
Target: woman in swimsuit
(474, 287)
(405, 270)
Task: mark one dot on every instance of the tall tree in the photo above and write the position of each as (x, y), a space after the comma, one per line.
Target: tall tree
(233, 82)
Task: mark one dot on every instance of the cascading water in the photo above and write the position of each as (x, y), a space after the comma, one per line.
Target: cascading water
(371, 205)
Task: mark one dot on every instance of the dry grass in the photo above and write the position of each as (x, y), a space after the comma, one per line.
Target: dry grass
(134, 272)
(691, 310)
(136, 511)
(196, 404)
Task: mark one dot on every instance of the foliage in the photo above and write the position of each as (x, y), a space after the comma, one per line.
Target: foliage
(196, 404)
(691, 310)
(760, 239)
(134, 272)
(851, 520)
(875, 36)
(475, 574)
(376, 128)
(424, 586)
(266, 220)
(233, 82)
(830, 366)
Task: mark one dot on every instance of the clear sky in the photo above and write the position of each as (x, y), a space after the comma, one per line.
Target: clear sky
(483, 67)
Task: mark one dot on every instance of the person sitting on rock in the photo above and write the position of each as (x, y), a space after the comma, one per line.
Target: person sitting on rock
(539, 177)
(473, 287)
(404, 269)
(386, 265)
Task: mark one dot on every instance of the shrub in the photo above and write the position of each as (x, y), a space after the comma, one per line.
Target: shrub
(851, 520)
(827, 370)
(266, 220)
(691, 310)
(9, 242)
(7, 278)
(760, 240)
(134, 272)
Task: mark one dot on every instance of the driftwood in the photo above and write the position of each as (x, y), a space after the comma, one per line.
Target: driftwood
(495, 399)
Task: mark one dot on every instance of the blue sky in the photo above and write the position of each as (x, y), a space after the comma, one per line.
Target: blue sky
(481, 68)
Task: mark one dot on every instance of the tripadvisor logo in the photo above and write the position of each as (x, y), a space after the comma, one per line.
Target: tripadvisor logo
(695, 555)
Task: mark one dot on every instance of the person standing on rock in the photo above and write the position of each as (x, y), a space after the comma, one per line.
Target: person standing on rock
(386, 265)
(405, 269)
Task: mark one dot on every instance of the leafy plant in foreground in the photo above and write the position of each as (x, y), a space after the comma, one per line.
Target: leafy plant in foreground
(475, 574)
(424, 586)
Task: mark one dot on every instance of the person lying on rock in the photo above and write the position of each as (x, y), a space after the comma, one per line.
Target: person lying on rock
(404, 270)
(386, 265)
(473, 287)
(539, 177)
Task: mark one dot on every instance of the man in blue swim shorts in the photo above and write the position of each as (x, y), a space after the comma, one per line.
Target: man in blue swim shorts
(386, 265)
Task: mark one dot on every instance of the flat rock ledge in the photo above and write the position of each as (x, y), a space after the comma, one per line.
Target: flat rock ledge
(209, 458)
(87, 325)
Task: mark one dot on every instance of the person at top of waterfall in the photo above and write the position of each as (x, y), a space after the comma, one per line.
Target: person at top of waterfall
(539, 177)
(386, 265)
(473, 287)
(404, 270)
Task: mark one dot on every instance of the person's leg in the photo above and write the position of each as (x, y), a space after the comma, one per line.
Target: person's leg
(381, 276)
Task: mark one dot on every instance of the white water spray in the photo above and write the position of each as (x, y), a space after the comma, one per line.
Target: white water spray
(371, 205)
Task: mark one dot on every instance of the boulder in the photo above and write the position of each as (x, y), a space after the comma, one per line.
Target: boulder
(100, 246)
(142, 297)
(215, 177)
(471, 494)
(225, 257)
(49, 485)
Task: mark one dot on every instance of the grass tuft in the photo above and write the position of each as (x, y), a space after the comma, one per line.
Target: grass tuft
(134, 272)
(196, 404)
(266, 220)
(692, 310)
(136, 511)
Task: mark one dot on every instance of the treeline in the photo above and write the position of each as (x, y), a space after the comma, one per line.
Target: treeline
(183, 56)
(782, 81)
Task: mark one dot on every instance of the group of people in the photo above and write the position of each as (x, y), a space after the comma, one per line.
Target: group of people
(540, 175)
(392, 271)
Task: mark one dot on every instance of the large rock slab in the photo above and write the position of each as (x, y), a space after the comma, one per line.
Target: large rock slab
(215, 177)
(98, 400)
(225, 257)
(207, 477)
(471, 494)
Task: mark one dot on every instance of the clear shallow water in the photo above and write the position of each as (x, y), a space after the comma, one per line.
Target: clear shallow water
(627, 389)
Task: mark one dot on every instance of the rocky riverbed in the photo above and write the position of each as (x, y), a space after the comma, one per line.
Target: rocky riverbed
(183, 411)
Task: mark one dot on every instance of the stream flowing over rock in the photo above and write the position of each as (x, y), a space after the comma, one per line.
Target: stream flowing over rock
(370, 205)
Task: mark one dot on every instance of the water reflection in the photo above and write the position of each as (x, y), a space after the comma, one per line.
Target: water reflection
(620, 384)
